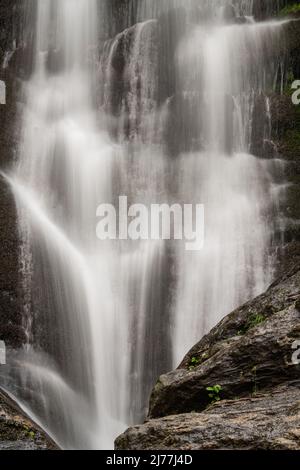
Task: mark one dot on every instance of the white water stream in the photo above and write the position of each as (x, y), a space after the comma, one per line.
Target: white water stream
(104, 319)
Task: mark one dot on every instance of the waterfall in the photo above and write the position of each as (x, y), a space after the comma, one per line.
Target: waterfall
(227, 62)
(171, 108)
(64, 172)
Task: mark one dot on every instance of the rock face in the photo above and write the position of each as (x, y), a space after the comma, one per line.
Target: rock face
(12, 17)
(17, 431)
(285, 117)
(249, 354)
(264, 422)
(267, 8)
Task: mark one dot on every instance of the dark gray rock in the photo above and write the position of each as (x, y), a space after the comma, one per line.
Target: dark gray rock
(248, 350)
(12, 20)
(285, 124)
(249, 354)
(263, 10)
(264, 422)
(17, 431)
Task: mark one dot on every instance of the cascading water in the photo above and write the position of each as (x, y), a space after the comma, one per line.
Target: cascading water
(229, 74)
(104, 318)
(64, 172)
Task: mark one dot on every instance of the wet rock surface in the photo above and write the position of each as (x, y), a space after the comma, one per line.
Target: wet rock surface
(249, 354)
(248, 350)
(13, 45)
(17, 431)
(264, 422)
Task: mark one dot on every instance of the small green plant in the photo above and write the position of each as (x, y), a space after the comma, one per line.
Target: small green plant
(254, 320)
(28, 432)
(194, 362)
(214, 393)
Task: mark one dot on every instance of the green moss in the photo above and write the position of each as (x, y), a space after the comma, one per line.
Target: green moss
(290, 9)
(13, 431)
(254, 320)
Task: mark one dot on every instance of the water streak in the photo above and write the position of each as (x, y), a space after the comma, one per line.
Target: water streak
(176, 110)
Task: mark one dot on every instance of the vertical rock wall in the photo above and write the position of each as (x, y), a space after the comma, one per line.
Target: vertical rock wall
(11, 45)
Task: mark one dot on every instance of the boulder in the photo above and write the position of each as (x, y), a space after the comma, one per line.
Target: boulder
(249, 355)
(249, 350)
(18, 431)
(265, 422)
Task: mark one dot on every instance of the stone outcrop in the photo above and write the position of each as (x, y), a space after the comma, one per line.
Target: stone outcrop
(264, 9)
(12, 47)
(264, 422)
(249, 354)
(285, 122)
(17, 431)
